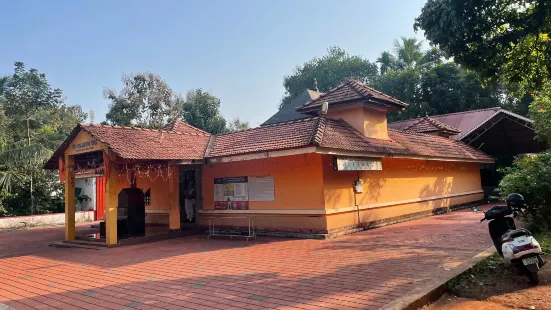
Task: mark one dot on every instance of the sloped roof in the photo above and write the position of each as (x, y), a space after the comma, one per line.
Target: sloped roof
(183, 127)
(352, 91)
(435, 146)
(465, 121)
(338, 135)
(139, 143)
(289, 111)
(429, 124)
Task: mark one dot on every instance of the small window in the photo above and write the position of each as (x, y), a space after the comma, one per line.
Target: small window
(147, 197)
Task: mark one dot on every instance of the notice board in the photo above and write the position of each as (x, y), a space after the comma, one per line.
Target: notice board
(261, 188)
(231, 193)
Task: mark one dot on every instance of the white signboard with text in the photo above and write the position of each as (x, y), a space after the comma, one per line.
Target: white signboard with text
(356, 164)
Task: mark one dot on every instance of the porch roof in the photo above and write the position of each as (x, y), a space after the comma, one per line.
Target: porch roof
(141, 144)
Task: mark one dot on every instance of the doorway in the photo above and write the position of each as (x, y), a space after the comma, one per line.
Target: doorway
(189, 187)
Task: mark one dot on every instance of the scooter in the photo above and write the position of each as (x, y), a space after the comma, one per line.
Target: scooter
(517, 247)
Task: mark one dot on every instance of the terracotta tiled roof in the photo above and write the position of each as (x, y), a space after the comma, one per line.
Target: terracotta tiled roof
(322, 132)
(183, 127)
(141, 144)
(286, 135)
(435, 146)
(338, 135)
(429, 124)
(464, 121)
(351, 91)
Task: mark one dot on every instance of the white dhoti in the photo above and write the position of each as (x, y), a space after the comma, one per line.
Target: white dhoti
(188, 206)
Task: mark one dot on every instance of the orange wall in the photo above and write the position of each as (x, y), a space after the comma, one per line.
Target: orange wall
(375, 125)
(400, 180)
(298, 185)
(298, 181)
(369, 121)
(353, 115)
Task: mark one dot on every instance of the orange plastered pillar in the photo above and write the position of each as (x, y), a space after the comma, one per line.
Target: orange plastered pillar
(174, 199)
(70, 201)
(111, 203)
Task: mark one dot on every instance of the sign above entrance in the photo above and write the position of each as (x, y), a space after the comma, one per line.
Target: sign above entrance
(85, 146)
(356, 164)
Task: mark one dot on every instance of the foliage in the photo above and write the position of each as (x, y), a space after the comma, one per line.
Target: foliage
(237, 125)
(501, 40)
(408, 52)
(531, 177)
(202, 110)
(146, 100)
(35, 122)
(440, 88)
(329, 71)
(540, 112)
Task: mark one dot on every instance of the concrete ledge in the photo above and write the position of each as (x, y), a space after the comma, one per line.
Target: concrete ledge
(307, 233)
(435, 288)
(54, 219)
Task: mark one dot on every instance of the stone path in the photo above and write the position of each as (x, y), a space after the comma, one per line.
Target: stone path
(365, 270)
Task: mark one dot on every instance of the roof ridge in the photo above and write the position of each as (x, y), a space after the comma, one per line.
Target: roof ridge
(85, 125)
(187, 125)
(421, 134)
(357, 83)
(271, 125)
(441, 125)
(454, 113)
(323, 94)
(434, 122)
(318, 131)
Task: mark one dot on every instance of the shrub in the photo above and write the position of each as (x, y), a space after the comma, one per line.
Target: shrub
(530, 176)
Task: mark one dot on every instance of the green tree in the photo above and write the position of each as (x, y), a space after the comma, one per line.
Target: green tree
(145, 100)
(329, 71)
(540, 112)
(439, 89)
(408, 51)
(35, 121)
(387, 62)
(237, 125)
(202, 110)
(501, 40)
(27, 94)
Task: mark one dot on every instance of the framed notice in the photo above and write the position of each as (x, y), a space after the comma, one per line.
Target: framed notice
(261, 188)
(231, 193)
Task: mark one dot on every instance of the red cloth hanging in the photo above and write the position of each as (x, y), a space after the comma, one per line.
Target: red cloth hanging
(61, 170)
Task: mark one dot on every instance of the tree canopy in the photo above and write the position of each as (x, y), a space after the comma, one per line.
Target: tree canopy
(328, 71)
(506, 41)
(145, 100)
(34, 120)
(202, 110)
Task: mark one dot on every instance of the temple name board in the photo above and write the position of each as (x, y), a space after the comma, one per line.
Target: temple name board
(356, 164)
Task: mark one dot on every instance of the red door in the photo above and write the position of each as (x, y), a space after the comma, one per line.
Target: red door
(100, 198)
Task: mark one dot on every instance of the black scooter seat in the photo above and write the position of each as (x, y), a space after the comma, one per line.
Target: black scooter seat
(515, 233)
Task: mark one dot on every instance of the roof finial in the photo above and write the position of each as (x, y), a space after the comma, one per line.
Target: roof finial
(316, 85)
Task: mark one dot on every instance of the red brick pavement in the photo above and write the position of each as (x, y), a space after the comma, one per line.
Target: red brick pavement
(361, 271)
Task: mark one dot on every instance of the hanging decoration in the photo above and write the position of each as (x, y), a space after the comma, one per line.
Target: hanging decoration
(144, 170)
(89, 165)
(61, 170)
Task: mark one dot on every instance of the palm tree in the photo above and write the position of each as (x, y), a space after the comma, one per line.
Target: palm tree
(388, 62)
(408, 51)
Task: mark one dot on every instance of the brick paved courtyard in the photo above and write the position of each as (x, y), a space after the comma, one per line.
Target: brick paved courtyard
(365, 270)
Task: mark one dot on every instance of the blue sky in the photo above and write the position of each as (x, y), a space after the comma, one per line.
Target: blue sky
(238, 50)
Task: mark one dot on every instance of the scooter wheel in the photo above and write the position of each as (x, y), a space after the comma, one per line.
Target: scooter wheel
(534, 278)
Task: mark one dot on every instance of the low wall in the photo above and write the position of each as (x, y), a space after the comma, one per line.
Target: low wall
(14, 222)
